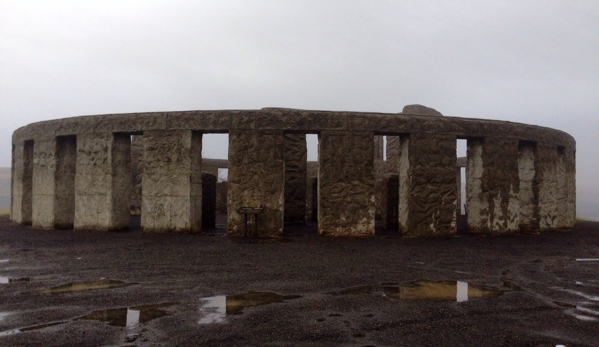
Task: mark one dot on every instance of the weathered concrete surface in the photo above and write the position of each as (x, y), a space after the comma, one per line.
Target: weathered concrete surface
(295, 178)
(556, 188)
(208, 200)
(420, 110)
(346, 180)
(529, 187)
(44, 183)
(22, 181)
(137, 169)
(427, 182)
(390, 205)
(172, 181)
(256, 179)
(64, 208)
(102, 182)
(493, 186)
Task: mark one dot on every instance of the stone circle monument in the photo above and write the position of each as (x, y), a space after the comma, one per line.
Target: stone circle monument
(77, 172)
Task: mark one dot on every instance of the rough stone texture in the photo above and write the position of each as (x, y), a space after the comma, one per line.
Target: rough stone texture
(427, 176)
(312, 200)
(495, 192)
(295, 178)
(529, 187)
(137, 169)
(64, 203)
(22, 182)
(44, 183)
(208, 200)
(102, 182)
(390, 207)
(420, 110)
(172, 181)
(256, 179)
(379, 143)
(346, 180)
(492, 186)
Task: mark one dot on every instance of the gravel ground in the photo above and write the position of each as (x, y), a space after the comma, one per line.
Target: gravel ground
(305, 290)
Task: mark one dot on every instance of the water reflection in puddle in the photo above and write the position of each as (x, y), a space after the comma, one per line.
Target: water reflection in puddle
(6, 280)
(215, 308)
(82, 286)
(441, 291)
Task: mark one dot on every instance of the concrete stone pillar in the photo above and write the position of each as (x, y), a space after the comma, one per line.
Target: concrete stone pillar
(64, 208)
(379, 143)
(427, 180)
(137, 168)
(44, 183)
(172, 181)
(346, 184)
(256, 179)
(22, 183)
(557, 207)
(492, 186)
(390, 208)
(393, 149)
(295, 178)
(102, 182)
(529, 187)
(458, 179)
(208, 201)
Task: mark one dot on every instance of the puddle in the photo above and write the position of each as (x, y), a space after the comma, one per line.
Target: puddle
(82, 286)
(34, 327)
(4, 261)
(6, 280)
(354, 290)
(128, 316)
(441, 291)
(216, 308)
(587, 259)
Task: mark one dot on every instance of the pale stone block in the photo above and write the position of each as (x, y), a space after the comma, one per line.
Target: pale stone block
(22, 182)
(44, 184)
(529, 187)
(256, 179)
(346, 179)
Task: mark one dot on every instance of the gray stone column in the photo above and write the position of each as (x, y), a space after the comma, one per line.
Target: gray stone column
(427, 181)
(102, 182)
(22, 182)
(295, 178)
(529, 187)
(256, 179)
(44, 182)
(172, 181)
(137, 169)
(346, 184)
(208, 201)
(492, 186)
(379, 143)
(64, 208)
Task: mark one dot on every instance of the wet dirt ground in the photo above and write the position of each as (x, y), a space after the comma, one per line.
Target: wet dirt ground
(67, 288)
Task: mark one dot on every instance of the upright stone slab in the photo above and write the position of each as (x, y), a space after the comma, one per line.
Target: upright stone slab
(172, 181)
(102, 182)
(64, 208)
(528, 195)
(208, 201)
(44, 182)
(346, 184)
(22, 183)
(295, 178)
(492, 186)
(557, 196)
(137, 168)
(256, 179)
(427, 183)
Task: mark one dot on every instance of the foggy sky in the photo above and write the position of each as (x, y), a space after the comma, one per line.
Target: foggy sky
(532, 62)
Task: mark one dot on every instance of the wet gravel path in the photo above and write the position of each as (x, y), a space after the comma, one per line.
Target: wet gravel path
(339, 292)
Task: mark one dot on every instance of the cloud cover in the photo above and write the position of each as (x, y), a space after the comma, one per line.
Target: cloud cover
(531, 62)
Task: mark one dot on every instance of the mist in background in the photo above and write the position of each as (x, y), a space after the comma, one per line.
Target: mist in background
(532, 62)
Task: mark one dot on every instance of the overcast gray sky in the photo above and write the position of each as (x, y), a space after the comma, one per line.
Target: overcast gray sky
(528, 61)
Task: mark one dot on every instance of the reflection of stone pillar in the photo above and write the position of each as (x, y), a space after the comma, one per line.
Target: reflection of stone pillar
(427, 185)
(208, 200)
(137, 168)
(492, 175)
(390, 206)
(295, 178)
(256, 179)
(346, 184)
(22, 180)
(44, 183)
(172, 181)
(102, 182)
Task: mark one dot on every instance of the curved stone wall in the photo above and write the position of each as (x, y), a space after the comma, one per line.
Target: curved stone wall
(77, 172)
